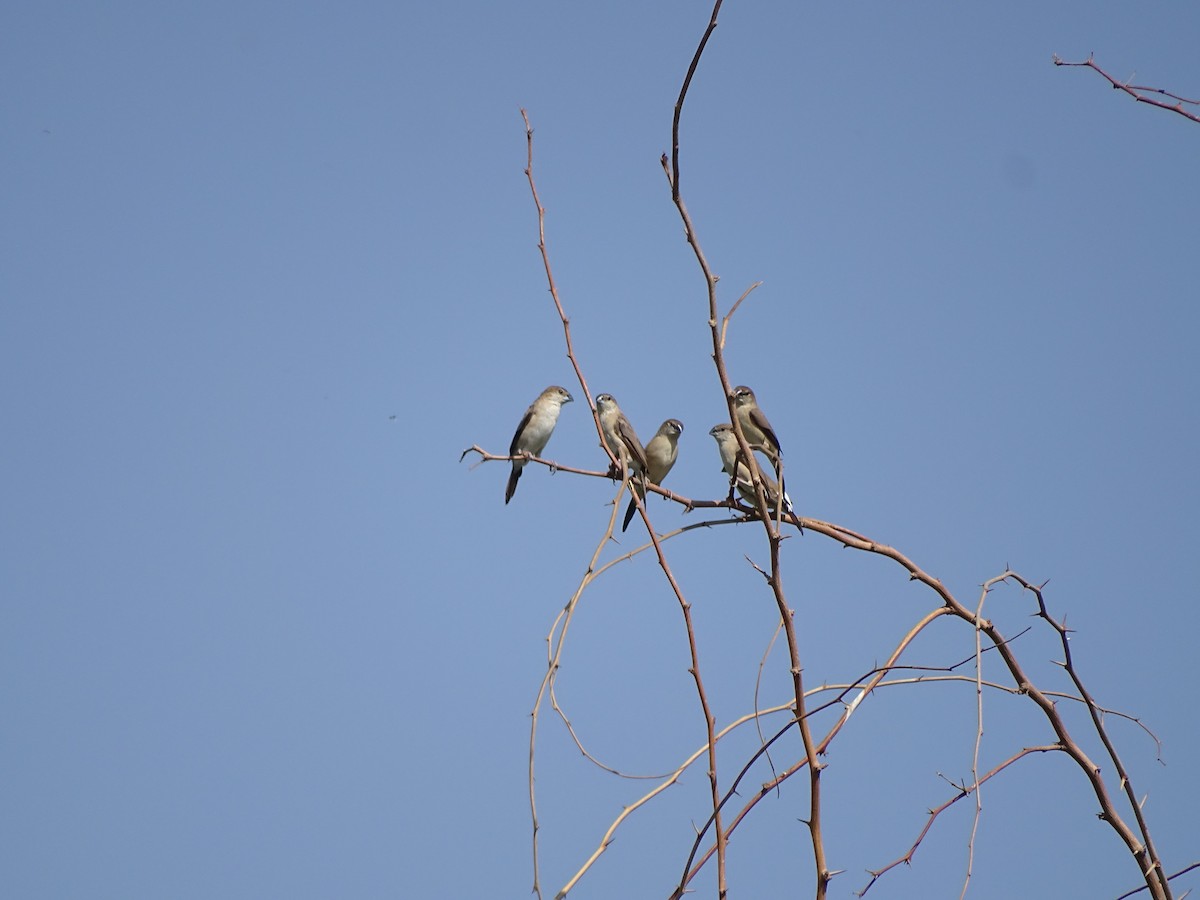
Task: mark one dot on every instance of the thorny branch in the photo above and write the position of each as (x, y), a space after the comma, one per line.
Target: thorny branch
(877, 680)
(1138, 92)
(1150, 855)
(841, 691)
(1142, 850)
(1172, 877)
(964, 791)
(689, 504)
(774, 536)
(1139, 844)
(685, 607)
(873, 680)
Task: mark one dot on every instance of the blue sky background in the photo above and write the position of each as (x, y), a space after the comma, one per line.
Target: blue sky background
(268, 269)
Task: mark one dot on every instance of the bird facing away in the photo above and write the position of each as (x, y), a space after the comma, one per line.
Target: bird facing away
(736, 469)
(534, 431)
(755, 427)
(619, 435)
(661, 453)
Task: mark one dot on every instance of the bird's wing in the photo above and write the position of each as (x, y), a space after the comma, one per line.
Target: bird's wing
(512, 448)
(759, 419)
(629, 437)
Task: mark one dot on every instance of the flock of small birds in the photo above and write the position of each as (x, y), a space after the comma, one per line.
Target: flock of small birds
(651, 462)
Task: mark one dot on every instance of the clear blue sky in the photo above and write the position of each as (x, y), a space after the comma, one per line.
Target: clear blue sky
(267, 269)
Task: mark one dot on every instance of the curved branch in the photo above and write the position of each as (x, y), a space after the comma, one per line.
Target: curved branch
(1143, 852)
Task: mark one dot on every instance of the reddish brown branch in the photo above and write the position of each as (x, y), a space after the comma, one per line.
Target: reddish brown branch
(1139, 92)
(687, 82)
(1142, 852)
(1183, 871)
(1143, 849)
(1151, 854)
(964, 791)
(688, 503)
(872, 680)
(685, 607)
(774, 537)
(562, 315)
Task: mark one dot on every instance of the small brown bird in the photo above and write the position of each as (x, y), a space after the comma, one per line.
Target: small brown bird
(534, 432)
(661, 453)
(619, 435)
(739, 472)
(755, 426)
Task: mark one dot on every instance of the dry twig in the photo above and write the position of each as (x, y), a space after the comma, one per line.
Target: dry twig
(1138, 92)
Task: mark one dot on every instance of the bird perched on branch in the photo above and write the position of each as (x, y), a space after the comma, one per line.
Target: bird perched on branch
(534, 432)
(661, 453)
(755, 427)
(619, 435)
(739, 472)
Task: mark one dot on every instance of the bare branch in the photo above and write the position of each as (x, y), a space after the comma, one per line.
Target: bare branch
(771, 526)
(965, 791)
(1183, 871)
(805, 711)
(1150, 855)
(1139, 92)
(732, 310)
(562, 315)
